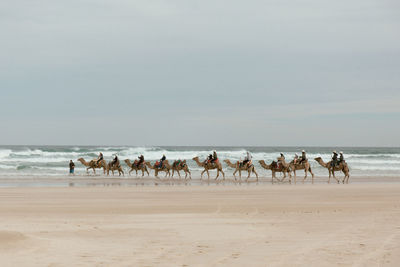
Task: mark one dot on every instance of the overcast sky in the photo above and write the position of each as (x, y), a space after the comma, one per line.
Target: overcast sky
(129, 72)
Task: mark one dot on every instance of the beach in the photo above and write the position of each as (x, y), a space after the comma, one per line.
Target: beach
(201, 225)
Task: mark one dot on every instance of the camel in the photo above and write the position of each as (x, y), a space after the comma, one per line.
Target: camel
(209, 166)
(115, 167)
(93, 165)
(341, 167)
(274, 169)
(303, 166)
(240, 167)
(135, 167)
(181, 166)
(166, 168)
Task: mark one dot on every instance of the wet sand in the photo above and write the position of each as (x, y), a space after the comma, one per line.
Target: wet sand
(224, 225)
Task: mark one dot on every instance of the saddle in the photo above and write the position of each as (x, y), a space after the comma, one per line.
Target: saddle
(158, 164)
(96, 164)
(211, 162)
(180, 163)
(136, 164)
(248, 164)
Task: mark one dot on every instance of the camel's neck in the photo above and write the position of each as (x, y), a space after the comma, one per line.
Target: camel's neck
(322, 163)
(199, 163)
(265, 165)
(230, 164)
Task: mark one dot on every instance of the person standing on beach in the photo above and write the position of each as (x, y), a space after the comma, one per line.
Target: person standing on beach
(71, 167)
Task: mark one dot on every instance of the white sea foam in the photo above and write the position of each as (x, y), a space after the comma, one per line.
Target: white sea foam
(53, 160)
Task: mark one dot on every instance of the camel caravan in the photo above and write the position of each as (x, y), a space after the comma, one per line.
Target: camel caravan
(212, 162)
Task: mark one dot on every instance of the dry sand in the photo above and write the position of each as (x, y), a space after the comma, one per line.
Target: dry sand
(216, 225)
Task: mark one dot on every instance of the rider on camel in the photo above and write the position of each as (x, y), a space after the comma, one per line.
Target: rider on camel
(341, 158)
(115, 161)
(303, 157)
(162, 161)
(334, 159)
(99, 158)
(141, 160)
(296, 158)
(247, 159)
(214, 157)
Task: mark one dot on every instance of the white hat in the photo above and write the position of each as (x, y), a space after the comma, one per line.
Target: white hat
(334, 151)
(303, 151)
(341, 152)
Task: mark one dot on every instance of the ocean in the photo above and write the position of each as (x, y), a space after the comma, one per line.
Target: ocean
(44, 161)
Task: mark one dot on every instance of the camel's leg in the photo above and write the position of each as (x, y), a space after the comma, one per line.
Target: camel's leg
(178, 174)
(201, 177)
(333, 174)
(223, 174)
(217, 174)
(234, 174)
(305, 175)
(312, 175)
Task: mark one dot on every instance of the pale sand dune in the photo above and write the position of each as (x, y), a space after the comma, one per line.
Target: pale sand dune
(232, 225)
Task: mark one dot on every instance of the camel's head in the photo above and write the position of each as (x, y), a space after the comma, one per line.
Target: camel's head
(318, 159)
(81, 159)
(127, 161)
(195, 158)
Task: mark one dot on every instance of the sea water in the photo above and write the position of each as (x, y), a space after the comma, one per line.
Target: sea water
(43, 161)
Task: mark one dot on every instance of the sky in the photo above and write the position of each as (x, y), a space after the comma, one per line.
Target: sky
(178, 72)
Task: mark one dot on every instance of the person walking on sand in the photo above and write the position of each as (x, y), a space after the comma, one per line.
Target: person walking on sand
(71, 167)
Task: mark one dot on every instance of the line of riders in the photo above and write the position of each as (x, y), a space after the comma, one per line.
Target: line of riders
(159, 164)
(303, 158)
(213, 158)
